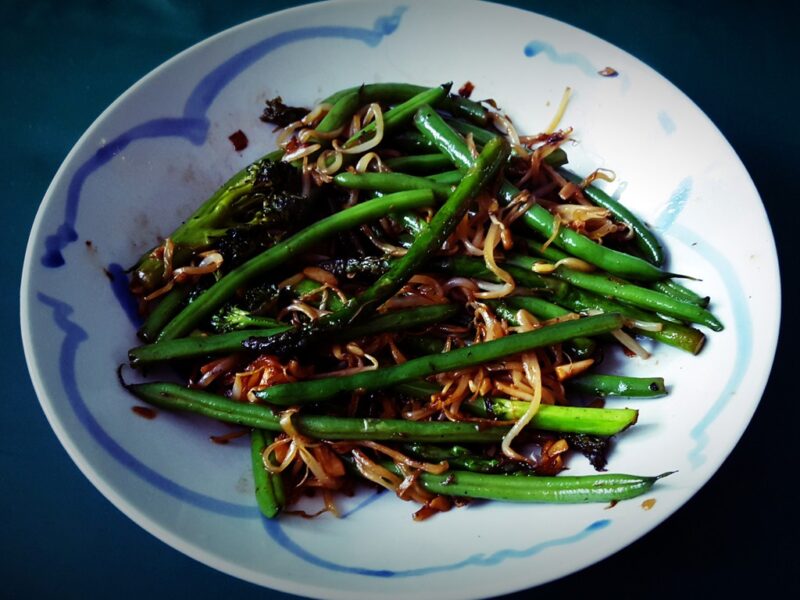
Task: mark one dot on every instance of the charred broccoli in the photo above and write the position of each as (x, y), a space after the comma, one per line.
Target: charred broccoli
(234, 318)
(256, 208)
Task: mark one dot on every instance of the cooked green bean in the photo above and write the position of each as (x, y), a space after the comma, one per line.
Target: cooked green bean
(306, 392)
(419, 163)
(222, 290)
(552, 417)
(467, 266)
(677, 335)
(388, 183)
(226, 343)
(644, 239)
(670, 287)
(400, 114)
(196, 345)
(481, 135)
(639, 296)
(170, 305)
(457, 457)
(172, 396)
(447, 177)
(264, 481)
(550, 252)
(560, 490)
(578, 348)
(398, 92)
(604, 385)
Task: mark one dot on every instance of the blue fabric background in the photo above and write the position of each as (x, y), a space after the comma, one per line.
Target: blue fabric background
(64, 62)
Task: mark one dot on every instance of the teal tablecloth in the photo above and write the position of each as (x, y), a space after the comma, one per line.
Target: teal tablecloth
(64, 62)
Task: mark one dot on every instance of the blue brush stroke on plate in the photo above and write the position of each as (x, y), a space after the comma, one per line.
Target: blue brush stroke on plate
(276, 531)
(122, 292)
(674, 206)
(193, 126)
(666, 122)
(74, 336)
(743, 330)
(537, 47)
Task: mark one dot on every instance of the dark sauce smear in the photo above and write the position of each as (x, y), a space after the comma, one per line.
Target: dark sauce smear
(239, 140)
(145, 412)
(224, 439)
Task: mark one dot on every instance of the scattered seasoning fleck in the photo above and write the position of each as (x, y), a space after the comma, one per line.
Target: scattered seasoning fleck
(144, 411)
(88, 243)
(465, 91)
(449, 480)
(239, 140)
(649, 503)
(608, 72)
(224, 439)
(612, 504)
(653, 387)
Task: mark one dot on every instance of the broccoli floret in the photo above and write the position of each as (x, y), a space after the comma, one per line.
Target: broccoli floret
(256, 208)
(234, 318)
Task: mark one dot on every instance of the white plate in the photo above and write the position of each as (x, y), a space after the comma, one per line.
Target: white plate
(163, 146)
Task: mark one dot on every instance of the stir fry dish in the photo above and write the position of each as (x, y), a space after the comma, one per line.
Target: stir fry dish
(409, 293)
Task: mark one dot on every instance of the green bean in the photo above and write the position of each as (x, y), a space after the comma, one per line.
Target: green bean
(447, 177)
(581, 348)
(639, 296)
(481, 135)
(538, 307)
(507, 308)
(226, 343)
(644, 239)
(550, 252)
(467, 266)
(172, 396)
(560, 489)
(677, 335)
(422, 344)
(306, 392)
(428, 241)
(450, 143)
(603, 385)
(445, 138)
(215, 296)
(457, 457)
(387, 183)
(399, 115)
(411, 141)
(672, 288)
(552, 417)
(169, 306)
(397, 92)
(266, 496)
(196, 345)
(401, 320)
(615, 262)
(419, 163)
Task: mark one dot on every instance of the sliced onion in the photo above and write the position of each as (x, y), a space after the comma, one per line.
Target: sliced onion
(364, 162)
(566, 371)
(376, 139)
(630, 343)
(562, 107)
